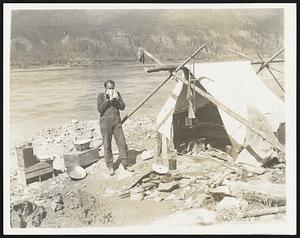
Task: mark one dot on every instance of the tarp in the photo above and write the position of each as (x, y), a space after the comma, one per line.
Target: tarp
(236, 85)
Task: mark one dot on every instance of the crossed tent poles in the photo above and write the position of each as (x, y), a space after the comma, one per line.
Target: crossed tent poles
(265, 63)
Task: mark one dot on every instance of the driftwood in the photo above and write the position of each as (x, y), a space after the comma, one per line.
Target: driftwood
(234, 169)
(270, 193)
(265, 211)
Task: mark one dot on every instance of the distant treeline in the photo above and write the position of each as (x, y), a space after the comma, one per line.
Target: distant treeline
(85, 37)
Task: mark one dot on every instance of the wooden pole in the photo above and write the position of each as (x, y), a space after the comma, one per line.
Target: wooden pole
(164, 82)
(253, 61)
(274, 61)
(270, 60)
(240, 54)
(238, 171)
(268, 68)
(150, 56)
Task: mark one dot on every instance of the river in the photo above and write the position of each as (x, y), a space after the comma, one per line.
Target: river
(48, 98)
(42, 99)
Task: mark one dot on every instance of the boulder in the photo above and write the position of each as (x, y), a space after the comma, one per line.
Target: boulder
(158, 199)
(222, 190)
(231, 203)
(168, 187)
(137, 196)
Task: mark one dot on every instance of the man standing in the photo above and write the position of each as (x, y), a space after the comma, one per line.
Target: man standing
(108, 104)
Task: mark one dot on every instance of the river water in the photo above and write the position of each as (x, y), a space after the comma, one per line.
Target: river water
(48, 98)
(42, 99)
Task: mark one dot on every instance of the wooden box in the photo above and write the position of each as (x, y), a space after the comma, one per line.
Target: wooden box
(25, 156)
(25, 175)
(82, 158)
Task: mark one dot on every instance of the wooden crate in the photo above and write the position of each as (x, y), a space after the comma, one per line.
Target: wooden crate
(37, 171)
(25, 156)
(82, 158)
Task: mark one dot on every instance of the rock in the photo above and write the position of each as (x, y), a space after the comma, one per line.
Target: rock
(146, 180)
(206, 217)
(110, 190)
(58, 199)
(181, 196)
(154, 194)
(74, 121)
(137, 196)
(38, 215)
(230, 203)
(158, 199)
(146, 155)
(171, 197)
(59, 164)
(197, 216)
(187, 189)
(168, 187)
(222, 190)
(189, 202)
(16, 221)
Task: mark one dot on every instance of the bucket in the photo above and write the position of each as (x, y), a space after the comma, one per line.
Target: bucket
(173, 161)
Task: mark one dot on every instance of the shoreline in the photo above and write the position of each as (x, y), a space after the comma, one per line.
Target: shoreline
(93, 66)
(73, 67)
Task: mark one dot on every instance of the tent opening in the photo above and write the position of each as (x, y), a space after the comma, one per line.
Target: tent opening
(206, 128)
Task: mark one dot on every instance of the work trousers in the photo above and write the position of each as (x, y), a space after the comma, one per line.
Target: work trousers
(109, 127)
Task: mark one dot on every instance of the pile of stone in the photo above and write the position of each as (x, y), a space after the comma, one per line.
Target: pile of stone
(26, 214)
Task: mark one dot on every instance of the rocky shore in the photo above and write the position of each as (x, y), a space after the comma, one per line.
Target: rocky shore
(201, 190)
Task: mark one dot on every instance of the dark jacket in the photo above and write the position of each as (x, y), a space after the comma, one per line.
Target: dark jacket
(109, 109)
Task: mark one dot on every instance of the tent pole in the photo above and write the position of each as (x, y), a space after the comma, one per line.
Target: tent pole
(240, 54)
(268, 68)
(163, 83)
(270, 60)
(253, 61)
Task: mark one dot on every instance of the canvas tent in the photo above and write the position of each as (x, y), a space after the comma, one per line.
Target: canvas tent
(236, 85)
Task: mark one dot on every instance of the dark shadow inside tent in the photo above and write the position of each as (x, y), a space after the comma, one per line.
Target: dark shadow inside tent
(206, 128)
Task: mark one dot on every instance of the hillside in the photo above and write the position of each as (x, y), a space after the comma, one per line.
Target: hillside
(78, 37)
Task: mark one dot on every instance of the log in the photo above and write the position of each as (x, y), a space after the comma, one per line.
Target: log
(234, 169)
(161, 68)
(274, 193)
(265, 211)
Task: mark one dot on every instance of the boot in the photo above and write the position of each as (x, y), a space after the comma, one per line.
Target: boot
(129, 168)
(111, 171)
